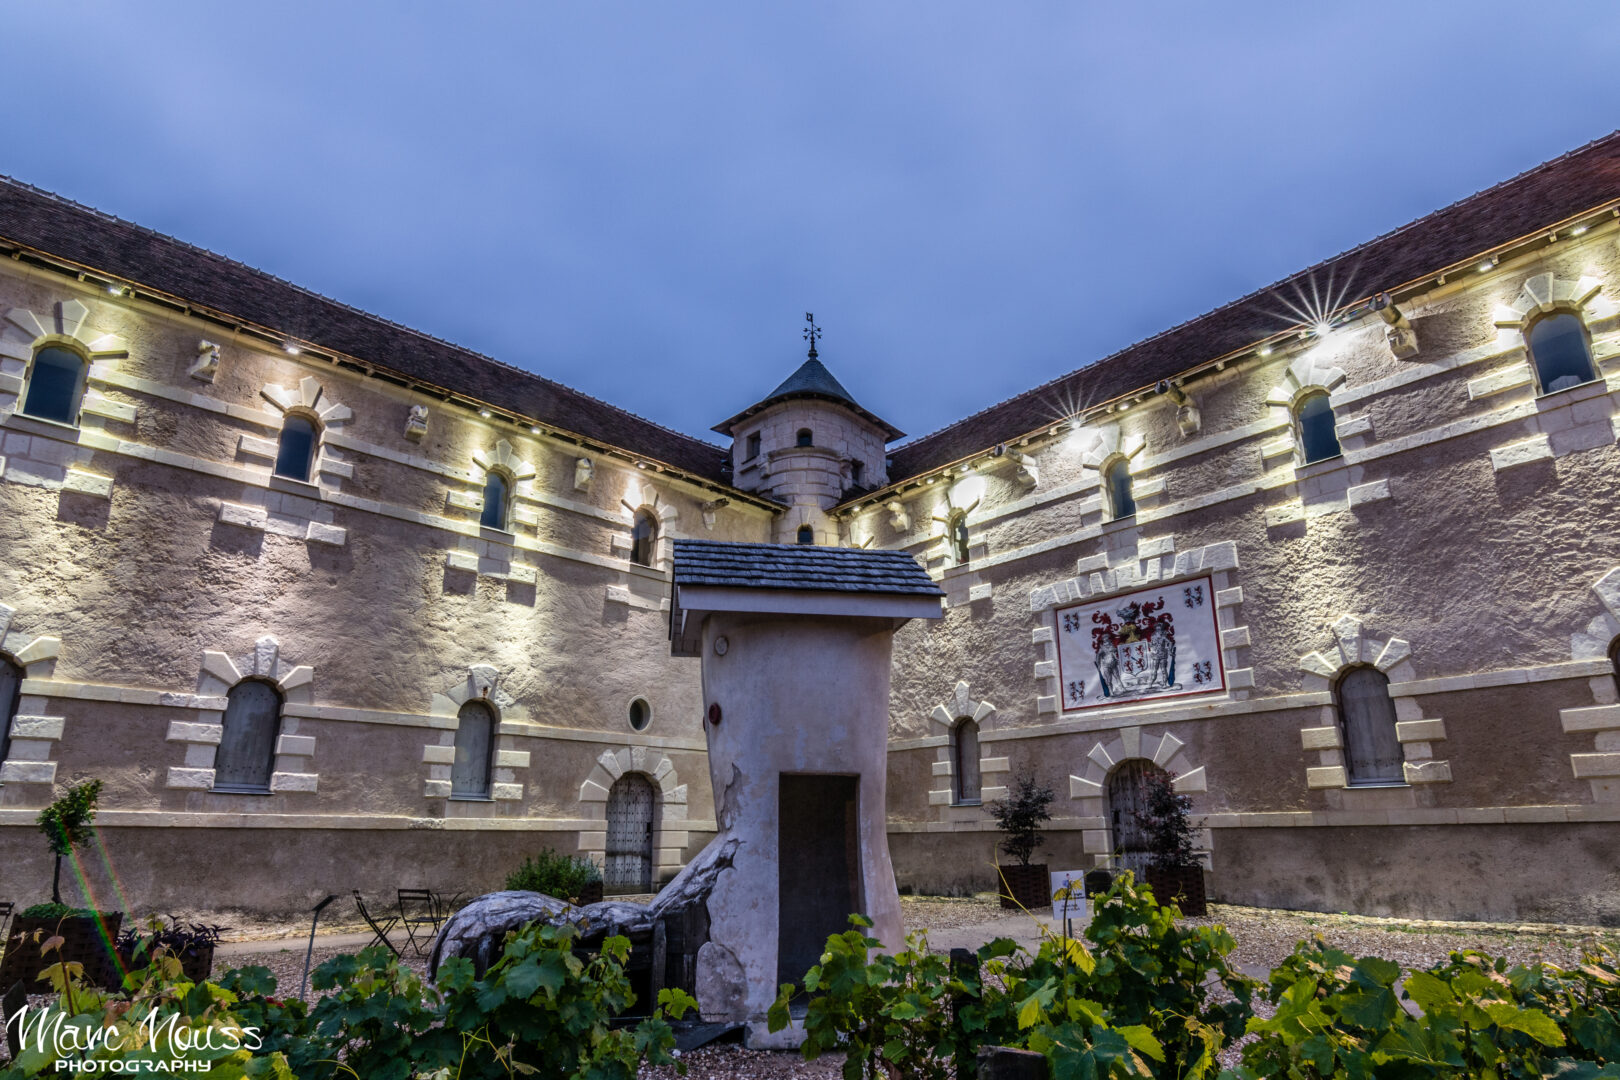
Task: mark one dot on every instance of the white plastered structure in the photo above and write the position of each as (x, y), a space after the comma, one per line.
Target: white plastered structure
(669, 822)
(199, 736)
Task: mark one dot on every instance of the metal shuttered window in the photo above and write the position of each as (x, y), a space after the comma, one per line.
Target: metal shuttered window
(247, 749)
(475, 738)
(1372, 753)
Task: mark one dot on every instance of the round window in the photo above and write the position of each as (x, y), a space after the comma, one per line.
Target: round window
(640, 714)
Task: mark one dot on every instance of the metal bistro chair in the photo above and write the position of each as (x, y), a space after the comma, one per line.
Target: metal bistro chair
(380, 932)
(427, 918)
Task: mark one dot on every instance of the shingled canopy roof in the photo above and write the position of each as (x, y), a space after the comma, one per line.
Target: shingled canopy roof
(1549, 193)
(812, 380)
(100, 242)
(800, 566)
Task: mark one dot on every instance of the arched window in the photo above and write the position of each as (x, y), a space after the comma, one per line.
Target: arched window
(11, 677)
(296, 451)
(1117, 479)
(495, 500)
(643, 538)
(965, 761)
(807, 535)
(247, 750)
(957, 528)
(805, 437)
(1372, 753)
(1560, 352)
(1318, 433)
(55, 385)
(475, 740)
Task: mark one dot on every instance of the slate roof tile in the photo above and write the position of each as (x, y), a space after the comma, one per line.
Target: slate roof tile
(800, 566)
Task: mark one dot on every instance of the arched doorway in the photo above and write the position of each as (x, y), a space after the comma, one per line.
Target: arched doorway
(1127, 796)
(629, 855)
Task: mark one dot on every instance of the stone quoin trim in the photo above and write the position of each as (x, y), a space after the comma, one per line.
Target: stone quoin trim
(487, 554)
(1091, 786)
(33, 734)
(669, 826)
(1323, 487)
(200, 736)
(948, 714)
(485, 683)
(38, 452)
(1602, 768)
(288, 507)
(1100, 447)
(641, 495)
(1417, 733)
(1136, 564)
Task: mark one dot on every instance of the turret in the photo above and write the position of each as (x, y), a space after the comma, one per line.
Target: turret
(810, 445)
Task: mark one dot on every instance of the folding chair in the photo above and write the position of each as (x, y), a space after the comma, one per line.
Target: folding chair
(380, 932)
(426, 919)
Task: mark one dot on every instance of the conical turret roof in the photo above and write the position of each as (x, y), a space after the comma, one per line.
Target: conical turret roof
(811, 380)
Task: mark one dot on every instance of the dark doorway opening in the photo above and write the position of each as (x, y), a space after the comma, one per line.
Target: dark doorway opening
(1127, 799)
(819, 867)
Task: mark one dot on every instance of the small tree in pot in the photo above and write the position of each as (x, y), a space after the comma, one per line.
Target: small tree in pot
(87, 936)
(1173, 870)
(1019, 817)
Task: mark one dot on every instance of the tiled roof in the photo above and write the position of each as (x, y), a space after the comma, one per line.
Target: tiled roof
(78, 234)
(1533, 200)
(812, 380)
(800, 566)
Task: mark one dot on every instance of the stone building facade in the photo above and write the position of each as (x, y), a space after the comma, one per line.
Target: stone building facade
(1348, 574)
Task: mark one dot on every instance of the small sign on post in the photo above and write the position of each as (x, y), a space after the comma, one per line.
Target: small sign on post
(1068, 896)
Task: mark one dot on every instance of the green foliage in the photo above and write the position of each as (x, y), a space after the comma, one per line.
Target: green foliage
(66, 822)
(49, 910)
(1472, 1016)
(562, 876)
(1019, 817)
(541, 1011)
(1164, 819)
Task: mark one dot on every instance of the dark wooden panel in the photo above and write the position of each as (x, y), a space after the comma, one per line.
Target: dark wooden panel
(819, 867)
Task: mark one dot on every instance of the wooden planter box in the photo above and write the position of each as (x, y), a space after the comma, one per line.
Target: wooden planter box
(83, 943)
(1182, 886)
(196, 962)
(1025, 886)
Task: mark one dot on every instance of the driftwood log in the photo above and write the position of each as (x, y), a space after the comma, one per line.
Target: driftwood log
(665, 935)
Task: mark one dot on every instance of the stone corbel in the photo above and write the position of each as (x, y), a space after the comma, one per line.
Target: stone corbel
(416, 423)
(1027, 470)
(206, 365)
(899, 520)
(709, 511)
(584, 469)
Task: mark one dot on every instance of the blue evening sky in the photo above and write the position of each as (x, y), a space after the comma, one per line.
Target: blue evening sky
(642, 200)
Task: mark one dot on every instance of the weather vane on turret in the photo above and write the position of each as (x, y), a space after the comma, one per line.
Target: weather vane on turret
(812, 333)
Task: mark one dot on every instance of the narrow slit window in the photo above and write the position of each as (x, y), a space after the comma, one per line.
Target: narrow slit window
(643, 538)
(475, 738)
(857, 473)
(753, 447)
(1318, 430)
(496, 496)
(296, 451)
(11, 677)
(1372, 752)
(1118, 482)
(805, 438)
(965, 751)
(246, 757)
(1560, 352)
(55, 385)
(807, 535)
(960, 541)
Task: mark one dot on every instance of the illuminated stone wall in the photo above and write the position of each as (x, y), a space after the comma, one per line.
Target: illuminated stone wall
(151, 560)
(1460, 545)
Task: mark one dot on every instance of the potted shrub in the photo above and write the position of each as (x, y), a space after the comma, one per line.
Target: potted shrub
(190, 943)
(573, 878)
(87, 936)
(1019, 818)
(1173, 871)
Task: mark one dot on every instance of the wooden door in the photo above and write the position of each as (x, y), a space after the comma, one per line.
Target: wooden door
(1127, 797)
(629, 836)
(818, 867)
